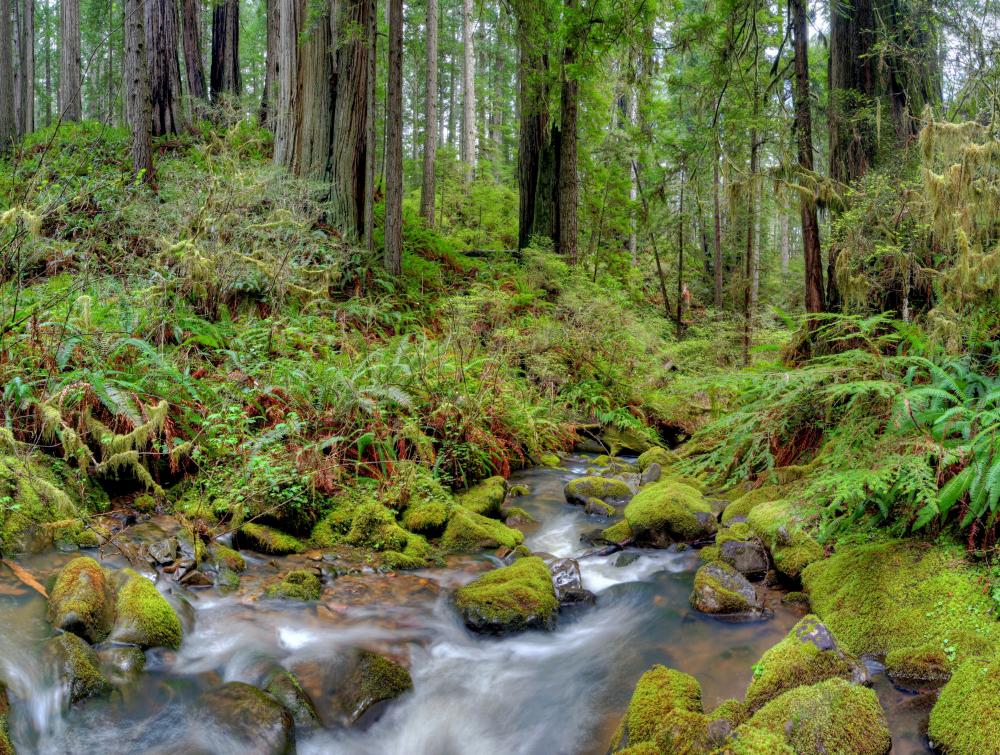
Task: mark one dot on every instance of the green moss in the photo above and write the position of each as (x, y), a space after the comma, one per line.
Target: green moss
(33, 495)
(79, 667)
(300, 584)
(486, 498)
(226, 580)
(656, 455)
(720, 589)
(515, 597)
(377, 678)
(884, 597)
(744, 504)
(668, 510)
(6, 747)
(549, 460)
(80, 601)
(285, 688)
(964, 719)
(427, 517)
(373, 526)
(751, 741)
(618, 440)
(619, 532)
(709, 553)
(795, 598)
(659, 692)
(264, 539)
(75, 535)
(740, 531)
(144, 503)
(926, 665)
(779, 524)
(517, 514)
(468, 531)
(145, 618)
(580, 490)
(335, 524)
(414, 556)
(228, 558)
(808, 654)
(833, 716)
(732, 710)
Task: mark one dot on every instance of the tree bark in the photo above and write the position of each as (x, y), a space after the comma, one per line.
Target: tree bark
(786, 247)
(316, 89)
(225, 74)
(286, 119)
(8, 121)
(70, 103)
(138, 107)
(48, 65)
(267, 100)
(394, 143)
(569, 191)
(430, 116)
(24, 80)
(812, 253)
(368, 217)
(750, 295)
(717, 251)
(191, 38)
(164, 69)
(468, 92)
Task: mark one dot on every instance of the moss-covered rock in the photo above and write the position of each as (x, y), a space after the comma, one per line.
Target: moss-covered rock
(582, 489)
(78, 667)
(144, 617)
(669, 511)
(741, 506)
(740, 549)
(779, 525)
(732, 710)
(964, 719)
(549, 460)
(264, 539)
(81, 600)
(720, 589)
(468, 531)
(631, 441)
(619, 533)
(925, 666)
(751, 741)
(37, 496)
(512, 598)
(224, 557)
(808, 654)
(427, 517)
(300, 584)
(285, 688)
(415, 554)
(375, 679)
(893, 596)
(597, 507)
(665, 711)
(833, 716)
(656, 455)
(486, 498)
(373, 526)
(251, 719)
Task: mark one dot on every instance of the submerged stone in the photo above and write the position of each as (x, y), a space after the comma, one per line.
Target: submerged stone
(78, 667)
(300, 584)
(251, 718)
(513, 598)
(285, 688)
(81, 600)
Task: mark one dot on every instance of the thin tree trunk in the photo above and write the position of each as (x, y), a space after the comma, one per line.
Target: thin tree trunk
(191, 37)
(786, 247)
(749, 295)
(394, 143)
(468, 92)
(717, 255)
(48, 66)
(225, 74)
(138, 107)
(680, 261)
(812, 252)
(25, 94)
(267, 100)
(569, 190)
(70, 103)
(370, 138)
(286, 119)
(430, 116)
(164, 69)
(633, 192)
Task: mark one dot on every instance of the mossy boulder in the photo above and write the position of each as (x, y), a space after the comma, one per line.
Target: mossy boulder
(415, 554)
(964, 719)
(742, 505)
(597, 507)
(751, 741)
(630, 441)
(665, 712)
(618, 533)
(300, 584)
(926, 666)
(81, 600)
(375, 679)
(469, 531)
(808, 654)
(833, 716)
(549, 460)
(264, 539)
(78, 667)
(656, 455)
(285, 688)
(669, 511)
(144, 617)
(486, 498)
(252, 720)
(582, 489)
(720, 589)
(512, 598)
(225, 557)
(780, 526)
(886, 598)
(427, 517)
(738, 547)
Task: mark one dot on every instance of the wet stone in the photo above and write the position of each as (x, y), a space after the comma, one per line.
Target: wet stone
(163, 551)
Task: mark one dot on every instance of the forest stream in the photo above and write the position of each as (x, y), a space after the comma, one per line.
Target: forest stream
(539, 692)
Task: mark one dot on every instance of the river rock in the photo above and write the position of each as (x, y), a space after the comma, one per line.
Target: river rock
(81, 600)
(251, 719)
(512, 598)
(720, 589)
(650, 474)
(352, 687)
(486, 498)
(669, 511)
(299, 584)
(748, 557)
(78, 667)
(568, 582)
(285, 688)
(597, 507)
(122, 663)
(163, 551)
(144, 617)
(582, 489)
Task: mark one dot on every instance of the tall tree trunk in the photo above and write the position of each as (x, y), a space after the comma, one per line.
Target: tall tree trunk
(70, 102)
(164, 69)
(24, 96)
(532, 135)
(786, 247)
(811, 251)
(717, 251)
(349, 149)
(48, 65)
(750, 295)
(316, 89)
(267, 100)
(191, 38)
(430, 116)
(286, 119)
(8, 122)
(394, 143)
(569, 190)
(225, 73)
(452, 103)
(368, 217)
(680, 260)
(468, 92)
(138, 107)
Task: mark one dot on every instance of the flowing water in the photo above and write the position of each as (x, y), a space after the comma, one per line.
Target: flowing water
(538, 692)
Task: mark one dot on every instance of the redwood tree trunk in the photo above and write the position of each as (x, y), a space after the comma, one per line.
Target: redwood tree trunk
(394, 143)
(468, 92)
(70, 106)
(811, 250)
(316, 81)
(568, 186)
(430, 116)
(717, 251)
(8, 124)
(286, 119)
(267, 100)
(24, 95)
(225, 74)
(138, 108)
(164, 69)
(191, 37)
